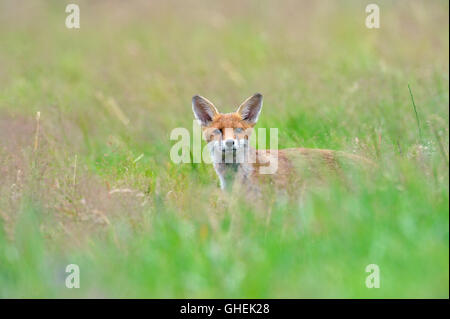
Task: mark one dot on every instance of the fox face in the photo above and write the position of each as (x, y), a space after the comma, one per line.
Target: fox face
(227, 134)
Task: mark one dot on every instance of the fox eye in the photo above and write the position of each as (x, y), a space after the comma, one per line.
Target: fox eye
(217, 131)
(238, 130)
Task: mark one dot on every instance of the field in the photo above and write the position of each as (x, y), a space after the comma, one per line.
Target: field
(89, 181)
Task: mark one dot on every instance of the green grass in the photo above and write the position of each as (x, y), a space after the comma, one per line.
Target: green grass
(328, 82)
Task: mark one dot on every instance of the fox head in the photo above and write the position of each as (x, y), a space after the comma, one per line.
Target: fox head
(227, 134)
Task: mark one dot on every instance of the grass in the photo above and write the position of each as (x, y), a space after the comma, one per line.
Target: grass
(91, 182)
(415, 112)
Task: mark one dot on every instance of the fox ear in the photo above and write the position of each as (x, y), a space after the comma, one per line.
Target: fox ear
(251, 108)
(204, 110)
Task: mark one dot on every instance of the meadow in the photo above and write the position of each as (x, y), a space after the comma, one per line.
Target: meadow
(86, 177)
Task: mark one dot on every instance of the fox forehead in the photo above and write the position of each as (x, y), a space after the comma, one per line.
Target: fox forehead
(228, 120)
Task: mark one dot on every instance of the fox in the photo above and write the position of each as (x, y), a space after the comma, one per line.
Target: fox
(237, 163)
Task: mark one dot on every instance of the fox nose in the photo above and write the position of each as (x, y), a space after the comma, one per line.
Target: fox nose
(229, 143)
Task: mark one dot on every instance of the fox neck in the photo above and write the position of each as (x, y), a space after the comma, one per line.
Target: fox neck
(229, 173)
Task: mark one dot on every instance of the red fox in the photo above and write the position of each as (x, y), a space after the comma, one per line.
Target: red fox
(235, 161)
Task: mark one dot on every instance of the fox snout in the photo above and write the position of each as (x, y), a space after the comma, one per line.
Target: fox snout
(230, 144)
(231, 140)
(234, 145)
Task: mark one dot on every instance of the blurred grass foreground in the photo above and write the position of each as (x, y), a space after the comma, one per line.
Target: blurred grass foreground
(90, 181)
